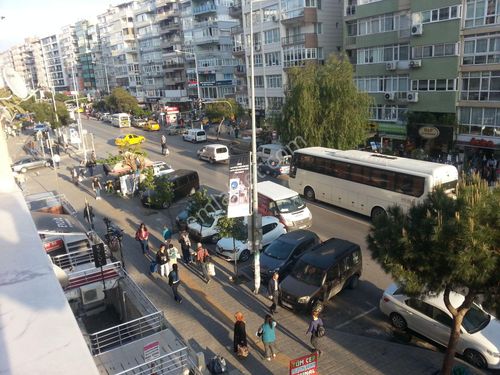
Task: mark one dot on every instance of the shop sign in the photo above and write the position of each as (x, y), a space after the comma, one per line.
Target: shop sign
(306, 365)
(428, 132)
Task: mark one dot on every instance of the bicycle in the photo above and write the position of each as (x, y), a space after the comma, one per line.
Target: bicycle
(113, 237)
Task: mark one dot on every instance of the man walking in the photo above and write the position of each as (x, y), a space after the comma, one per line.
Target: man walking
(174, 281)
(202, 258)
(96, 186)
(163, 142)
(88, 214)
(273, 288)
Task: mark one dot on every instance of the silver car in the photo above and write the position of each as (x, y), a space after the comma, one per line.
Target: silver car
(479, 339)
(30, 162)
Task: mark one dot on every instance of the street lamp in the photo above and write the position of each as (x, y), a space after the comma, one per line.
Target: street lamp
(196, 69)
(79, 118)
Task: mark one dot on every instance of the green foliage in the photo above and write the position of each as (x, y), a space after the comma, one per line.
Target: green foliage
(164, 192)
(121, 100)
(232, 227)
(60, 97)
(44, 112)
(148, 182)
(100, 106)
(216, 111)
(198, 203)
(324, 107)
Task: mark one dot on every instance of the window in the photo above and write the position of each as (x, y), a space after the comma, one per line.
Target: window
(272, 36)
(437, 15)
(274, 81)
(333, 273)
(257, 59)
(484, 50)
(382, 54)
(420, 306)
(482, 12)
(482, 86)
(383, 83)
(273, 58)
(259, 81)
(269, 227)
(318, 28)
(390, 113)
(441, 317)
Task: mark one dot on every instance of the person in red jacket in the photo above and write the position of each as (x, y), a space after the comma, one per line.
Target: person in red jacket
(142, 235)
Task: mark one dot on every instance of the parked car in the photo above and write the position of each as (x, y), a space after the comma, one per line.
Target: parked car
(322, 273)
(41, 128)
(151, 125)
(138, 122)
(30, 162)
(194, 135)
(160, 168)
(213, 153)
(129, 139)
(270, 151)
(218, 202)
(275, 167)
(175, 130)
(185, 182)
(280, 256)
(271, 230)
(479, 341)
(106, 117)
(206, 228)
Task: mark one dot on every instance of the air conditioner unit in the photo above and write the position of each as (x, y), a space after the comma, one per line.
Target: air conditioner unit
(389, 96)
(91, 294)
(412, 97)
(391, 65)
(417, 29)
(415, 63)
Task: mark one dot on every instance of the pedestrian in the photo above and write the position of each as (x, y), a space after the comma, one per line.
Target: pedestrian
(56, 159)
(268, 333)
(236, 131)
(202, 258)
(273, 288)
(81, 171)
(142, 235)
(167, 235)
(185, 246)
(162, 261)
(74, 175)
(240, 335)
(93, 162)
(173, 254)
(88, 214)
(163, 142)
(21, 180)
(317, 330)
(174, 281)
(96, 186)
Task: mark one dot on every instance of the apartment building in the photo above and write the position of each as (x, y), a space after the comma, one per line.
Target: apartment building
(21, 59)
(52, 60)
(87, 40)
(69, 57)
(208, 45)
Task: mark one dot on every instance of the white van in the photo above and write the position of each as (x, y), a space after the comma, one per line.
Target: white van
(195, 135)
(120, 120)
(285, 204)
(214, 153)
(270, 151)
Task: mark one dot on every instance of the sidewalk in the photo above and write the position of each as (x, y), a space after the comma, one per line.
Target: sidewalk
(205, 318)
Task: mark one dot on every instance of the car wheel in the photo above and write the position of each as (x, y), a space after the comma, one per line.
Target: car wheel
(376, 212)
(215, 238)
(398, 321)
(47, 164)
(309, 193)
(475, 358)
(353, 282)
(244, 256)
(23, 170)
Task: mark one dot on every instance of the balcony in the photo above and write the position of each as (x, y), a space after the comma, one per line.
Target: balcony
(170, 26)
(205, 8)
(166, 15)
(169, 42)
(309, 40)
(208, 39)
(238, 50)
(235, 10)
(300, 16)
(240, 70)
(235, 30)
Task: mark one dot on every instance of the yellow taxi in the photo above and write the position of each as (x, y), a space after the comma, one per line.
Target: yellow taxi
(129, 139)
(151, 125)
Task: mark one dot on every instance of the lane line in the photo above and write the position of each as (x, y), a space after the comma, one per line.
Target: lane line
(356, 318)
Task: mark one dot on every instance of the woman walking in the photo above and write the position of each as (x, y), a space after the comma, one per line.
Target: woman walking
(96, 186)
(317, 330)
(162, 261)
(174, 281)
(240, 335)
(268, 330)
(185, 246)
(142, 235)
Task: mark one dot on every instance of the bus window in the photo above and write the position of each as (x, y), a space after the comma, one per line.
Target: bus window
(341, 170)
(382, 179)
(360, 174)
(409, 185)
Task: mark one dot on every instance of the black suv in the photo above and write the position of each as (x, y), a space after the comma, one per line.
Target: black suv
(283, 252)
(322, 273)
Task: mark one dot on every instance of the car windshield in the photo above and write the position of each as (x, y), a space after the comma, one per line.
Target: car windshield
(278, 250)
(475, 319)
(290, 204)
(308, 273)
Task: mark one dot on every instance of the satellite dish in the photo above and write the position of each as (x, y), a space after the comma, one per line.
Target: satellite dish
(15, 82)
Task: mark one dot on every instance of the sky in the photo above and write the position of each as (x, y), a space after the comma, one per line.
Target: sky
(25, 18)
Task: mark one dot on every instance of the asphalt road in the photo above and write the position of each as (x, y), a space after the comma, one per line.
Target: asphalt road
(354, 311)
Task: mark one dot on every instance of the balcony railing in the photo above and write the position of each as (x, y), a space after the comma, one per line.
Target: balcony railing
(240, 70)
(126, 332)
(205, 8)
(238, 49)
(73, 259)
(93, 275)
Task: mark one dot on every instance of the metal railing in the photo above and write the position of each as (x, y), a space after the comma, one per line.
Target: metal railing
(126, 332)
(92, 275)
(208, 7)
(169, 363)
(74, 259)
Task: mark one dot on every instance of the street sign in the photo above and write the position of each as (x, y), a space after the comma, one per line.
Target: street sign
(99, 255)
(306, 365)
(151, 351)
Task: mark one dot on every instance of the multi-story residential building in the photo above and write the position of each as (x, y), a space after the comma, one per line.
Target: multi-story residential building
(52, 60)
(207, 38)
(69, 57)
(286, 33)
(479, 100)
(406, 55)
(20, 58)
(87, 40)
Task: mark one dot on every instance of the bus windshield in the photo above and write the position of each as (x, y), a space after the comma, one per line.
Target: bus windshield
(290, 204)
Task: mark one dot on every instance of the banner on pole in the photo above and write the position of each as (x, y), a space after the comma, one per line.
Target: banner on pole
(239, 186)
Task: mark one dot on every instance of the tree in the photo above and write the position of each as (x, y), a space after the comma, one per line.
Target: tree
(324, 107)
(223, 110)
(121, 100)
(44, 112)
(236, 229)
(199, 206)
(444, 244)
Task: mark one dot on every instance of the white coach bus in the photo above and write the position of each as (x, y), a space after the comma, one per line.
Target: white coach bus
(120, 120)
(365, 182)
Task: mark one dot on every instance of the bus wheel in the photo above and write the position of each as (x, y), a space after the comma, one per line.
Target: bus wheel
(309, 193)
(377, 211)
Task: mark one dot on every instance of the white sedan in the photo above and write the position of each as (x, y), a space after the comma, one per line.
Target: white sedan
(479, 341)
(271, 229)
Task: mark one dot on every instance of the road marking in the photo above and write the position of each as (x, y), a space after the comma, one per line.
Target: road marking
(330, 210)
(355, 318)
